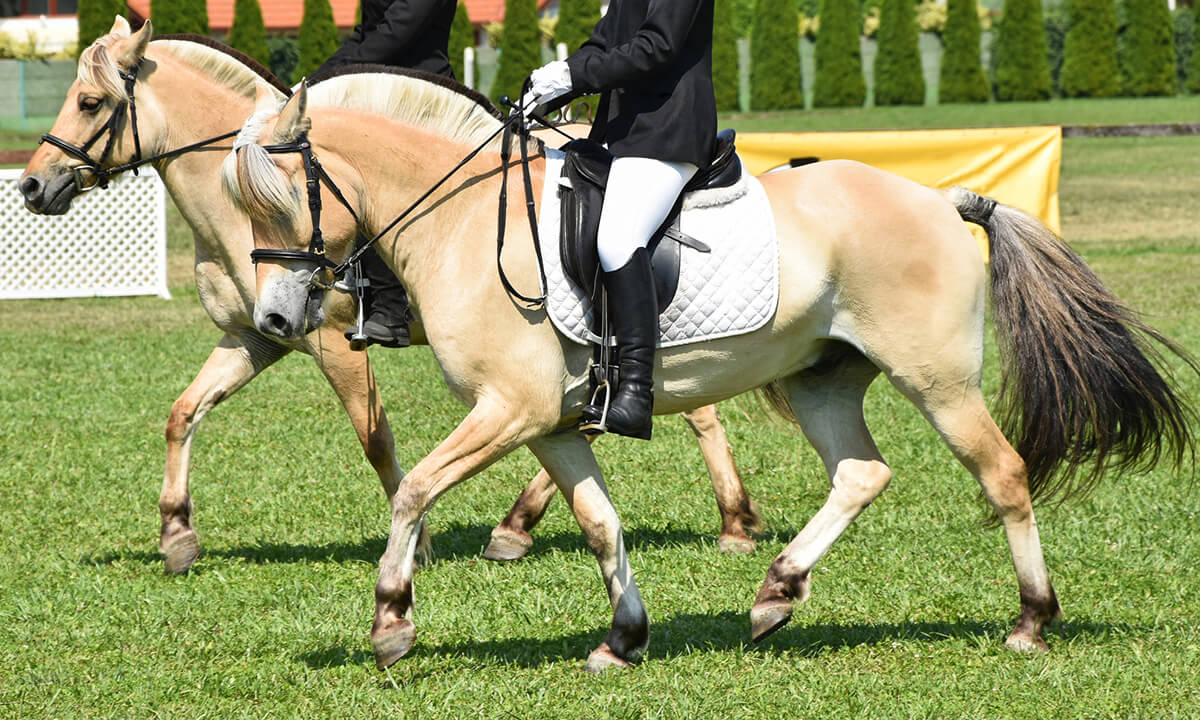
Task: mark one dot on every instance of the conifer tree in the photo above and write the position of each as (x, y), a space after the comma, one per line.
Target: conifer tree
(318, 38)
(1022, 68)
(724, 56)
(179, 16)
(839, 79)
(96, 19)
(576, 20)
(462, 36)
(520, 48)
(1193, 67)
(248, 33)
(1090, 57)
(962, 75)
(1148, 49)
(898, 78)
(775, 57)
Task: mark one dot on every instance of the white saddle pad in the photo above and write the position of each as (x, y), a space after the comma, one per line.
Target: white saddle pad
(730, 291)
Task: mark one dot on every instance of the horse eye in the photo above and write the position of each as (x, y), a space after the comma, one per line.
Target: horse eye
(89, 104)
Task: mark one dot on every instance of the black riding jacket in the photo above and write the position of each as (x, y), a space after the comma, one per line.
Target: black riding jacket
(652, 60)
(400, 33)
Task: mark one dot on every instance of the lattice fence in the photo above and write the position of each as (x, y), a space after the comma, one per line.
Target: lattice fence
(111, 242)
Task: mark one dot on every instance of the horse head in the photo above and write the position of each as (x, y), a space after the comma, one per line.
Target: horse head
(271, 176)
(95, 129)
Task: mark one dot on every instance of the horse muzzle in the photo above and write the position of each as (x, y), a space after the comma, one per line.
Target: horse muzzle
(288, 306)
(48, 197)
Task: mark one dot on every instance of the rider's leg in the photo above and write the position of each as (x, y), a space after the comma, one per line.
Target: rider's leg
(387, 304)
(641, 193)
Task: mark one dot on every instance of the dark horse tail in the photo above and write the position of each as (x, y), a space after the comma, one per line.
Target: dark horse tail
(1080, 392)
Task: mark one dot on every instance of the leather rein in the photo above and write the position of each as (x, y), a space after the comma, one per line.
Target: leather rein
(326, 272)
(95, 167)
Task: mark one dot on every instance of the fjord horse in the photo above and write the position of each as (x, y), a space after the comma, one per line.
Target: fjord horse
(189, 89)
(878, 275)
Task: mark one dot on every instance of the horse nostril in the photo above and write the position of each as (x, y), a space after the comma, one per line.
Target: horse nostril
(277, 324)
(31, 188)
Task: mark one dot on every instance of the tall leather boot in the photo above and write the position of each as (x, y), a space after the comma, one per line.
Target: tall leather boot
(634, 310)
(387, 305)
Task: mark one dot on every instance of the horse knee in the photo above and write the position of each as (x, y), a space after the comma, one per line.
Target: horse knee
(859, 482)
(180, 421)
(379, 446)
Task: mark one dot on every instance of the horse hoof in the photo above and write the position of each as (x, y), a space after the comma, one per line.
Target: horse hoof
(766, 619)
(603, 658)
(180, 552)
(735, 545)
(507, 546)
(394, 643)
(1024, 643)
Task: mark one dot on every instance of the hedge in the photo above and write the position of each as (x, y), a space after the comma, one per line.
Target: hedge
(248, 33)
(775, 57)
(962, 76)
(898, 78)
(1022, 71)
(839, 79)
(1090, 59)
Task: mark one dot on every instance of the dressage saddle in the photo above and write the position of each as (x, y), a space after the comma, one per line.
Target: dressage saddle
(581, 192)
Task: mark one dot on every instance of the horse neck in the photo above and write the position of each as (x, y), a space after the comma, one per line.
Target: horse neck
(452, 234)
(194, 108)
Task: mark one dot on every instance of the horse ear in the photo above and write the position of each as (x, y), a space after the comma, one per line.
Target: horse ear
(120, 27)
(293, 119)
(136, 47)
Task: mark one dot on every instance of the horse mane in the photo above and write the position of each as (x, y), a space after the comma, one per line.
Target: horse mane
(226, 66)
(259, 69)
(412, 97)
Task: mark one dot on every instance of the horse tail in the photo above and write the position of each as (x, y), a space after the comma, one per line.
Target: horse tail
(1080, 391)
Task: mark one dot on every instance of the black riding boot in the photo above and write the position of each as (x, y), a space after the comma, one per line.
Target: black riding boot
(634, 311)
(387, 305)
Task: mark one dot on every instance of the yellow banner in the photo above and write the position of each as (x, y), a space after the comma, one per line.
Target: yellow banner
(1016, 166)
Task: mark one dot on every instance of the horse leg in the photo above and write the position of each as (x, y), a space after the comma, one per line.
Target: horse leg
(829, 409)
(511, 539)
(973, 437)
(235, 361)
(568, 458)
(488, 433)
(739, 514)
(350, 375)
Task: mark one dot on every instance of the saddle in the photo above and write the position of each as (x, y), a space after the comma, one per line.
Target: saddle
(581, 192)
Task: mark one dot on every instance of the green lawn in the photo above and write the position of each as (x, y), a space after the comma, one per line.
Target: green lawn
(908, 614)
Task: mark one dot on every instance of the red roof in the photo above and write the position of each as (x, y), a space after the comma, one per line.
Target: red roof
(277, 14)
(487, 11)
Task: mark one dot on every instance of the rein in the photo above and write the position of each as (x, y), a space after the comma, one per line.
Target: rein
(326, 272)
(95, 167)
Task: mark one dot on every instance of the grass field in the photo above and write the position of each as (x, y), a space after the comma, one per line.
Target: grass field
(908, 614)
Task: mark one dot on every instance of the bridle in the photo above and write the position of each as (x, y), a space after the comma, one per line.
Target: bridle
(112, 127)
(326, 272)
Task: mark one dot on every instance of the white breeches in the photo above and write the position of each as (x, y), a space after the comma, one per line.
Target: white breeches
(640, 194)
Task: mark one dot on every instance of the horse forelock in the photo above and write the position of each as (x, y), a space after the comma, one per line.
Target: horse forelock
(253, 181)
(98, 68)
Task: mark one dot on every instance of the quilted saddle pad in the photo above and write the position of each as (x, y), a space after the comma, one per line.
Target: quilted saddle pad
(730, 291)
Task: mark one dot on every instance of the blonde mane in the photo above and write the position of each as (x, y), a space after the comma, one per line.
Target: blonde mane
(253, 180)
(412, 101)
(98, 67)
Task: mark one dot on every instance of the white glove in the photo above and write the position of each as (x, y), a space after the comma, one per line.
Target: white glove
(546, 83)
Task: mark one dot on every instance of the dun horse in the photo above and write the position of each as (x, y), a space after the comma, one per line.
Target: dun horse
(877, 275)
(189, 89)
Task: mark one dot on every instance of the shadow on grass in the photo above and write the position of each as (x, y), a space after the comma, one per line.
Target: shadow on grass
(689, 633)
(455, 542)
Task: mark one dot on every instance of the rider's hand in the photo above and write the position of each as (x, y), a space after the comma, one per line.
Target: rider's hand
(550, 81)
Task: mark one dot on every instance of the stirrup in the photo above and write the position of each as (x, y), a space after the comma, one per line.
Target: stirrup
(601, 426)
(355, 334)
